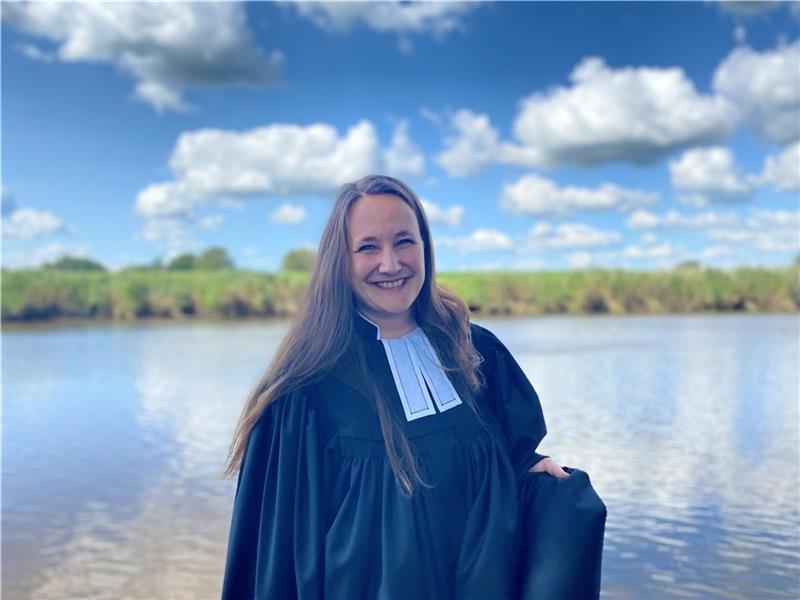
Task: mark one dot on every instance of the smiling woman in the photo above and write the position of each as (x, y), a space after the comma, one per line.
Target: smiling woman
(390, 449)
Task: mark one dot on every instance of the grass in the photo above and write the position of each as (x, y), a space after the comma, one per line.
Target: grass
(50, 294)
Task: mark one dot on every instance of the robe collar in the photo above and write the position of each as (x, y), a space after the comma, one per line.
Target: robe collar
(422, 385)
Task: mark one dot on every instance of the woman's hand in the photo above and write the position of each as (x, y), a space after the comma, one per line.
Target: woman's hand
(550, 466)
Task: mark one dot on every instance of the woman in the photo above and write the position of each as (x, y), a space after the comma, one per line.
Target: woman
(389, 450)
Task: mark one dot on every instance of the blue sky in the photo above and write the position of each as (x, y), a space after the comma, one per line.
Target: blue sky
(558, 135)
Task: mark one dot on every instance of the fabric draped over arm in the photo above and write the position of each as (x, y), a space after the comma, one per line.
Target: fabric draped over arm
(276, 546)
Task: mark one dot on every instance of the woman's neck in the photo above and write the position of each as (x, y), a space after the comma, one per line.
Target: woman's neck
(392, 326)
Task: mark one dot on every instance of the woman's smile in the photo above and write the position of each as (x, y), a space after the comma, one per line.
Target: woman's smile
(391, 285)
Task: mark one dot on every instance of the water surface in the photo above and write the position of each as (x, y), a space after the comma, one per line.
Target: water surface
(114, 438)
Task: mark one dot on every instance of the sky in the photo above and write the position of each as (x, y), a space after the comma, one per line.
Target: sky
(550, 135)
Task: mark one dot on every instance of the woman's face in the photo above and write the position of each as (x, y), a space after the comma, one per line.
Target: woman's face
(387, 259)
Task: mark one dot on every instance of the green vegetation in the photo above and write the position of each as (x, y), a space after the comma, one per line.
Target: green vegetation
(211, 259)
(228, 293)
(70, 263)
(301, 259)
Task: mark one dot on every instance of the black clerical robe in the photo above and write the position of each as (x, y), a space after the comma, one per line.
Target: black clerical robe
(318, 513)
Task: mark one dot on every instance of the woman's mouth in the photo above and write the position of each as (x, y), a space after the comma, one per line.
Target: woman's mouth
(390, 285)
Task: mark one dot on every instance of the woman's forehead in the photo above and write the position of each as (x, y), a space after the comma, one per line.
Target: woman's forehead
(381, 216)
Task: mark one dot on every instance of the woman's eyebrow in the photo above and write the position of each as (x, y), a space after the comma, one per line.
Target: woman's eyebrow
(372, 238)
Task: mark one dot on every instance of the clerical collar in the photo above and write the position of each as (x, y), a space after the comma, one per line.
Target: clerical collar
(420, 380)
(378, 327)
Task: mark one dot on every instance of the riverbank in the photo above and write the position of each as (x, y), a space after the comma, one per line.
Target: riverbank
(126, 296)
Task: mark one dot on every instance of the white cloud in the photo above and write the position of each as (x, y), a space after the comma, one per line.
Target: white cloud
(288, 214)
(212, 222)
(480, 240)
(672, 219)
(431, 115)
(579, 260)
(403, 158)
(167, 47)
(27, 223)
(214, 167)
(568, 235)
(475, 144)
(764, 230)
(663, 251)
(783, 170)
(31, 259)
(632, 114)
(648, 238)
(535, 195)
(437, 18)
(747, 8)
(36, 53)
(710, 175)
(171, 232)
(211, 165)
(450, 216)
(765, 88)
(715, 251)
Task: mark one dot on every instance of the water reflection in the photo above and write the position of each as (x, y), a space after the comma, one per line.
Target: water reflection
(689, 428)
(113, 440)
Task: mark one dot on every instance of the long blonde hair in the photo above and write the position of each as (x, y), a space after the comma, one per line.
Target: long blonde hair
(304, 356)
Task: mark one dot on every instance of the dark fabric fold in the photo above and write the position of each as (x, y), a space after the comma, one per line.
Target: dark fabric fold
(513, 401)
(562, 523)
(274, 548)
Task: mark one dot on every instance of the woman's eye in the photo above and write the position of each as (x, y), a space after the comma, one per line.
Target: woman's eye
(405, 241)
(366, 247)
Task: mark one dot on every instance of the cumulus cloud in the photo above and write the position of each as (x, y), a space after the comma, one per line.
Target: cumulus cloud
(765, 88)
(710, 175)
(568, 235)
(27, 223)
(764, 230)
(288, 214)
(664, 250)
(661, 255)
(672, 219)
(210, 165)
(31, 259)
(633, 114)
(450, 216)
(437, 18)
(783, 170)
(476, 143)
(219, 168)
(579, 260)
(36, 53)
(170, 231)
(747, 8)
(480, 240)
(212, 222)
(403, 158)
(535, 195)
(167, 47)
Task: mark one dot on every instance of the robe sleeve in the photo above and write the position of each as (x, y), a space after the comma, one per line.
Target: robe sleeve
(276, 543)
(513, 400)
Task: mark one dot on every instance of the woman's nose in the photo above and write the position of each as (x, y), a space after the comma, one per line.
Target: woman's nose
(389, 262)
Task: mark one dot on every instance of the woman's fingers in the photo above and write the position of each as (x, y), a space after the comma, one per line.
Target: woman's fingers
(550, 466)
